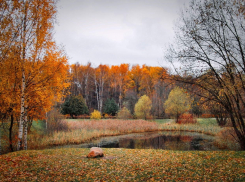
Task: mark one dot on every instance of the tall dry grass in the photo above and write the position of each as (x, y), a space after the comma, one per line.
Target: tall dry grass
(123, 126)
(81, 131)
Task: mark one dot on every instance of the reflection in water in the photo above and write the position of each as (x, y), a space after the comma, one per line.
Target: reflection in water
(159, 140)
(154, 140)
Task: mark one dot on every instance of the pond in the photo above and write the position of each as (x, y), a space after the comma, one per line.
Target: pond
(183, 141)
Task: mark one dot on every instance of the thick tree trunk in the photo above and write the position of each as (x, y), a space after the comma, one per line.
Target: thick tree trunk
(238, 130)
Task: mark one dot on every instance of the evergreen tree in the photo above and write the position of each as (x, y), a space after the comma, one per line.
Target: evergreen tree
(75, 105)
(111, 107)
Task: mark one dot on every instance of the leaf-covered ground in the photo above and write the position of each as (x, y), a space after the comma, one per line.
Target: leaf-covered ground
(122, 165)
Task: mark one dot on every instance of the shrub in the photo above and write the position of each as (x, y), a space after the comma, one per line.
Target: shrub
(124, 113)
(95, 115)
(227, 139)
(106, 116)
(207, 116)
(55, 121)
(186, 119)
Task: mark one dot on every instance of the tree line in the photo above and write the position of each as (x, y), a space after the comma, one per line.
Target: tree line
(125, 87)
(123, 83)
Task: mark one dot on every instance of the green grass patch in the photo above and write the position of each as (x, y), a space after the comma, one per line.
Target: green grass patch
(207, 121)
(38, 126)
(163, 121)
(122, 165)
(201, 121)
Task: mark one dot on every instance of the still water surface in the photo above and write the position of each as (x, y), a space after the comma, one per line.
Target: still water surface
(183, 141)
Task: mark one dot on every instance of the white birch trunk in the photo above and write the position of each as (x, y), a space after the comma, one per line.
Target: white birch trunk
(25, 124)
(22, 114)
(97, 94)
(100, 99)
(101, 90)
(120, 96)
(86, 88)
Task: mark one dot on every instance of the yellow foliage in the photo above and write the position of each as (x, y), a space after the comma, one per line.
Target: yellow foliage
(143, 107)
(95, 115)
(178, 102)
(124, 113)
(106, 116)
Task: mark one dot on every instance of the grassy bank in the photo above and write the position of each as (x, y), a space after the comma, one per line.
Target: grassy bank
(85, 130)
(122, 165)
(82, 131)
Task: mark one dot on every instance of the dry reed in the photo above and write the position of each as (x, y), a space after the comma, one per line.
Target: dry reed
(81, 131)
(123, 126)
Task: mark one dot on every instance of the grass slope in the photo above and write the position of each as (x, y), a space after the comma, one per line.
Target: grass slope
(122, 165)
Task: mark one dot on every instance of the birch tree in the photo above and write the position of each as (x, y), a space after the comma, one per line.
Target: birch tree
(100, 79)
(34, 21)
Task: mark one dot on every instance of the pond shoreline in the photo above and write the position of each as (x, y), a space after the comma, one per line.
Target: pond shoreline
(89, 142)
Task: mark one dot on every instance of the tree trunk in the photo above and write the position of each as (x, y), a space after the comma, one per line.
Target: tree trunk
(25, 124)
(0, 141)
(239, 132)
(10, 133)
(97, 93)
(221, 121)
(29, 124)
(46, 121)
(177, 117)
(22, 114)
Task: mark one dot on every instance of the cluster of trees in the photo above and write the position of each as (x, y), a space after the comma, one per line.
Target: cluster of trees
(33, 69)
(143, 91)
(124, 84)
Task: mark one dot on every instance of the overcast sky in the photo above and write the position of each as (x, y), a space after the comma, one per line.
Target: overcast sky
(117, 31)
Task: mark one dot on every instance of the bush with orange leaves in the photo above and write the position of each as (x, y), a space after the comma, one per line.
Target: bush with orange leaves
(186, 119)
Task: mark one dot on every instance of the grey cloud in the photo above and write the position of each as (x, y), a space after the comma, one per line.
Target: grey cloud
(116, 31)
